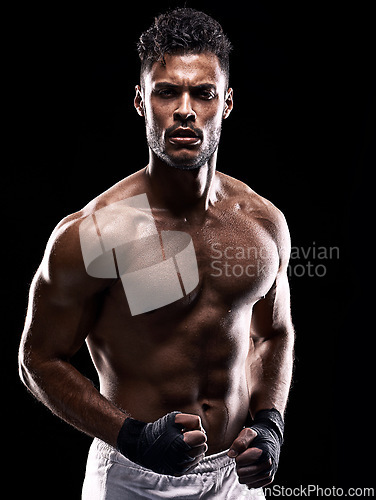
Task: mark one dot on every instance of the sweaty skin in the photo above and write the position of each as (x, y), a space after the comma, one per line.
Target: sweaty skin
(222, 352)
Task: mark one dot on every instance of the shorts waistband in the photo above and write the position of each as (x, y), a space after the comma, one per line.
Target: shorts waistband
(214, 462)
(208, 464)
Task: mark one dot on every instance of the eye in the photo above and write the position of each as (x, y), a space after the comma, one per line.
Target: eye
(206, 94)
(166, 93)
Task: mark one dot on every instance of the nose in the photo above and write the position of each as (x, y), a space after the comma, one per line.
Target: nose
(184, 112)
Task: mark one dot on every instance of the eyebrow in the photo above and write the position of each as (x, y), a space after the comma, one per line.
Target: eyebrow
(201, 86)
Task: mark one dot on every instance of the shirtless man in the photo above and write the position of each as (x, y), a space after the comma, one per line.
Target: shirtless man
(192, 391)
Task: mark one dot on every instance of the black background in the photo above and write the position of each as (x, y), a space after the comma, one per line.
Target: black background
(300, 134)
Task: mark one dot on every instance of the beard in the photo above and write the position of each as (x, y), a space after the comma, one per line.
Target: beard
(156, 140)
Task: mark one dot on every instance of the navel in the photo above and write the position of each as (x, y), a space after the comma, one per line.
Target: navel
(205, 407)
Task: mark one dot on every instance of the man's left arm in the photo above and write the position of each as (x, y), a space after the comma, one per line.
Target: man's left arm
(256, 450)
(272, 334)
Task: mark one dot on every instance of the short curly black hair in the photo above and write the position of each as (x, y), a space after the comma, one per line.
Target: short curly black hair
(183, 30)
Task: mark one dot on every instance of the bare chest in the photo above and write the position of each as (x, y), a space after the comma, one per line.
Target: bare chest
(170, 265)
(233, 257)
(186, 296)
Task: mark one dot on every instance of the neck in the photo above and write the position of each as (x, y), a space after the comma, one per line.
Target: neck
(184, 192)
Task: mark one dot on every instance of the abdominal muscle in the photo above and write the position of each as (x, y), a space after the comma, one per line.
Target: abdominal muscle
(223, 408)
(193, 361)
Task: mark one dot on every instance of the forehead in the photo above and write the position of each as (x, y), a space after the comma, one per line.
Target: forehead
(187, 69)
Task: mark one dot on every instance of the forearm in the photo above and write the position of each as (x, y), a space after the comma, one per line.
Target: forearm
(72, 397)
(271, 372)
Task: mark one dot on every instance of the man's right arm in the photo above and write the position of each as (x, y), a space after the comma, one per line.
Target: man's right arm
(63, 305)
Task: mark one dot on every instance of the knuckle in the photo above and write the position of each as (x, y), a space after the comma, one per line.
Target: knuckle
(240, 441)
(251, 433)
(242, 472)
(201, 438)
(243, 443)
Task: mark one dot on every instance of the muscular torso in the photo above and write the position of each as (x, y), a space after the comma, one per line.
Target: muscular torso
(192, 355)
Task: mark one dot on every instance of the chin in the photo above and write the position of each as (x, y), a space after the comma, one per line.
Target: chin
(186, 162)
(185, 166)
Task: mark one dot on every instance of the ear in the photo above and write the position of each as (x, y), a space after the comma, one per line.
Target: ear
(138, 101)
(229, 103)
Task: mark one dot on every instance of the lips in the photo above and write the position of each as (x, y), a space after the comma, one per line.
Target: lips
(184, 136)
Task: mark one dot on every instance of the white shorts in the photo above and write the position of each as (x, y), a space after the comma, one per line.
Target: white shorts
(111, 476)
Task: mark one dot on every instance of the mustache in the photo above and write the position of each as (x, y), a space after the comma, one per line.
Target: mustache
(196, 131)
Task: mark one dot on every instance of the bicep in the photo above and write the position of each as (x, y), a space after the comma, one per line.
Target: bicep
(63, 300)
(58, 320)
(272, 315)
